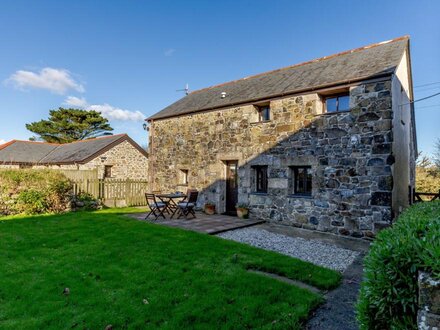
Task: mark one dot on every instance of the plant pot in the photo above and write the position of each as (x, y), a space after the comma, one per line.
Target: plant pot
(242, 213)
(210, 209)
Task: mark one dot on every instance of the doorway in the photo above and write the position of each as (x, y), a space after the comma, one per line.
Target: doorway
(231, 186)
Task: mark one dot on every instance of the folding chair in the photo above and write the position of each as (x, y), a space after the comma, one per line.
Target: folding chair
(187, 206)
(156, 208)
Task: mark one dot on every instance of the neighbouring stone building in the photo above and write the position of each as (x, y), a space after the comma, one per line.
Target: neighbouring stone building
(114, 156)
(328, 145)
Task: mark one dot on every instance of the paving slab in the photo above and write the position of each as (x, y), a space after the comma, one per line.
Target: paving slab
(203, 223)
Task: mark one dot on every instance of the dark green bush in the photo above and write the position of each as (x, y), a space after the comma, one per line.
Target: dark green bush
(34, 191)
(388, 297)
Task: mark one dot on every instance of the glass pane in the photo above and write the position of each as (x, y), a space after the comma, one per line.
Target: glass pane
(331, 104)
(343, 103)
(264, 113)
(308, 189)
(300, 181)
(303, 181)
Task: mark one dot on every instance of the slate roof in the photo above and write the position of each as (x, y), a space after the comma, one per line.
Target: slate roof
(28, 152)
(354, 65)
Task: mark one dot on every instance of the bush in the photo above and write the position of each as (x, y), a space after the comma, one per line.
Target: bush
(34, 191)
(388, 297)
(85, 201)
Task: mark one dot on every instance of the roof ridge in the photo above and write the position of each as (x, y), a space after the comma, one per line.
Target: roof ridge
(96, 138)
(307, 62)
(37, 142)
(59, 144)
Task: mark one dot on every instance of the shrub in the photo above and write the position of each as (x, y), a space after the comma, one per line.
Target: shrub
(33, 191)
(85, 201)
(388, 297)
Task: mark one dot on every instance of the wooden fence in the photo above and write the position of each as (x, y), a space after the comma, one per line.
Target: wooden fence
(79, 175)
(114, 192)
(425, 196)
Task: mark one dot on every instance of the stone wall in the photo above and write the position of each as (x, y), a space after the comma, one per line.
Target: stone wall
(350, 155)
(428, 316)
(127, 162)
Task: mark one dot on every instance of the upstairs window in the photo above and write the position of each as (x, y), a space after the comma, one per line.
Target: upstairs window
(302, 180)
(107, 171)
(260, 179)
(263, 112)
(337, 103)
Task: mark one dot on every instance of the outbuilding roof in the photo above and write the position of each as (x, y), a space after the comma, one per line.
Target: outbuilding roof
(355, 65)
(29, 152)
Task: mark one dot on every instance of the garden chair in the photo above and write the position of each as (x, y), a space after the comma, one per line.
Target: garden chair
(187, 206)
(156, 207)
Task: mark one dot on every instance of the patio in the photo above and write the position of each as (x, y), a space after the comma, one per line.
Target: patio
(203, 223)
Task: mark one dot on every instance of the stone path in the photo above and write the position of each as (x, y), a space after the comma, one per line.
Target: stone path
(203, 223)
(338, 312)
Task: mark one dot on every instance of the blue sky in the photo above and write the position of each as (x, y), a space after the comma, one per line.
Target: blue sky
(128, 58)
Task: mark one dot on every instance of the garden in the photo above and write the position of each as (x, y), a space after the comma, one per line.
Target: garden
(95, 269)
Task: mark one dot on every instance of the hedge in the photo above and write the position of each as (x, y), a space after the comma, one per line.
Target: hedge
(388, 296)
(34, 191)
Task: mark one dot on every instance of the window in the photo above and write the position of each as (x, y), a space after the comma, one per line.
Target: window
(337, 103)
(260, 179)
(184, 177)
(107, 171)
(302, 180)
(264, 112)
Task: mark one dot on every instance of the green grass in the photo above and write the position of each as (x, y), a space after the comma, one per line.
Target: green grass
(112, 263)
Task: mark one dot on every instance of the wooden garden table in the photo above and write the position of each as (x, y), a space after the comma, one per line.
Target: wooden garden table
(169, 200)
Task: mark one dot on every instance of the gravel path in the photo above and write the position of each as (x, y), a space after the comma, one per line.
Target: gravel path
(316, 252)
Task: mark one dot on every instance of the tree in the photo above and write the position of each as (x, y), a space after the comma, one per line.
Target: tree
(423, 161)
(68, 125)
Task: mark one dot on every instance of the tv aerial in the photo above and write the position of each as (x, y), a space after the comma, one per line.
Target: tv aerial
(186, 89)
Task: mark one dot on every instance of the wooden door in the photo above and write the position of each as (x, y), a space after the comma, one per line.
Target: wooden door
(231, 186)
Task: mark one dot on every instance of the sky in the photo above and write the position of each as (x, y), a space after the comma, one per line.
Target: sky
(127, 59)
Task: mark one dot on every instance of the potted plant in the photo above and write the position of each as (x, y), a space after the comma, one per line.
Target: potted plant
(242, 210)
(210, 208)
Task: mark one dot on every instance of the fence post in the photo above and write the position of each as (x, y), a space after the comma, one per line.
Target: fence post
(127, 192)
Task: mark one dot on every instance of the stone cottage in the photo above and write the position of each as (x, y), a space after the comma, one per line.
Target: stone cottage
(327, 145)
(114, 156)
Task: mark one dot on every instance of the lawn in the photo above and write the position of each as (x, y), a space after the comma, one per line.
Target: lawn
(133, 274)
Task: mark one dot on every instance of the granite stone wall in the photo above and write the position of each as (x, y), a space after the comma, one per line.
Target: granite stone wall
(428, 316)
(127, 162)
(350, 154)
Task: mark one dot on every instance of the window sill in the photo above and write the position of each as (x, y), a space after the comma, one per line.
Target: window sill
(182, 185)
(260, 122)
(332, 113)
(300, 196)
(259, 193)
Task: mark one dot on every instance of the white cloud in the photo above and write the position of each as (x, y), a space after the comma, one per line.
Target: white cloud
(55, 80)
(2, 141)
(169, 52)
(76, 102)
(107, 111)
(111, 112)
